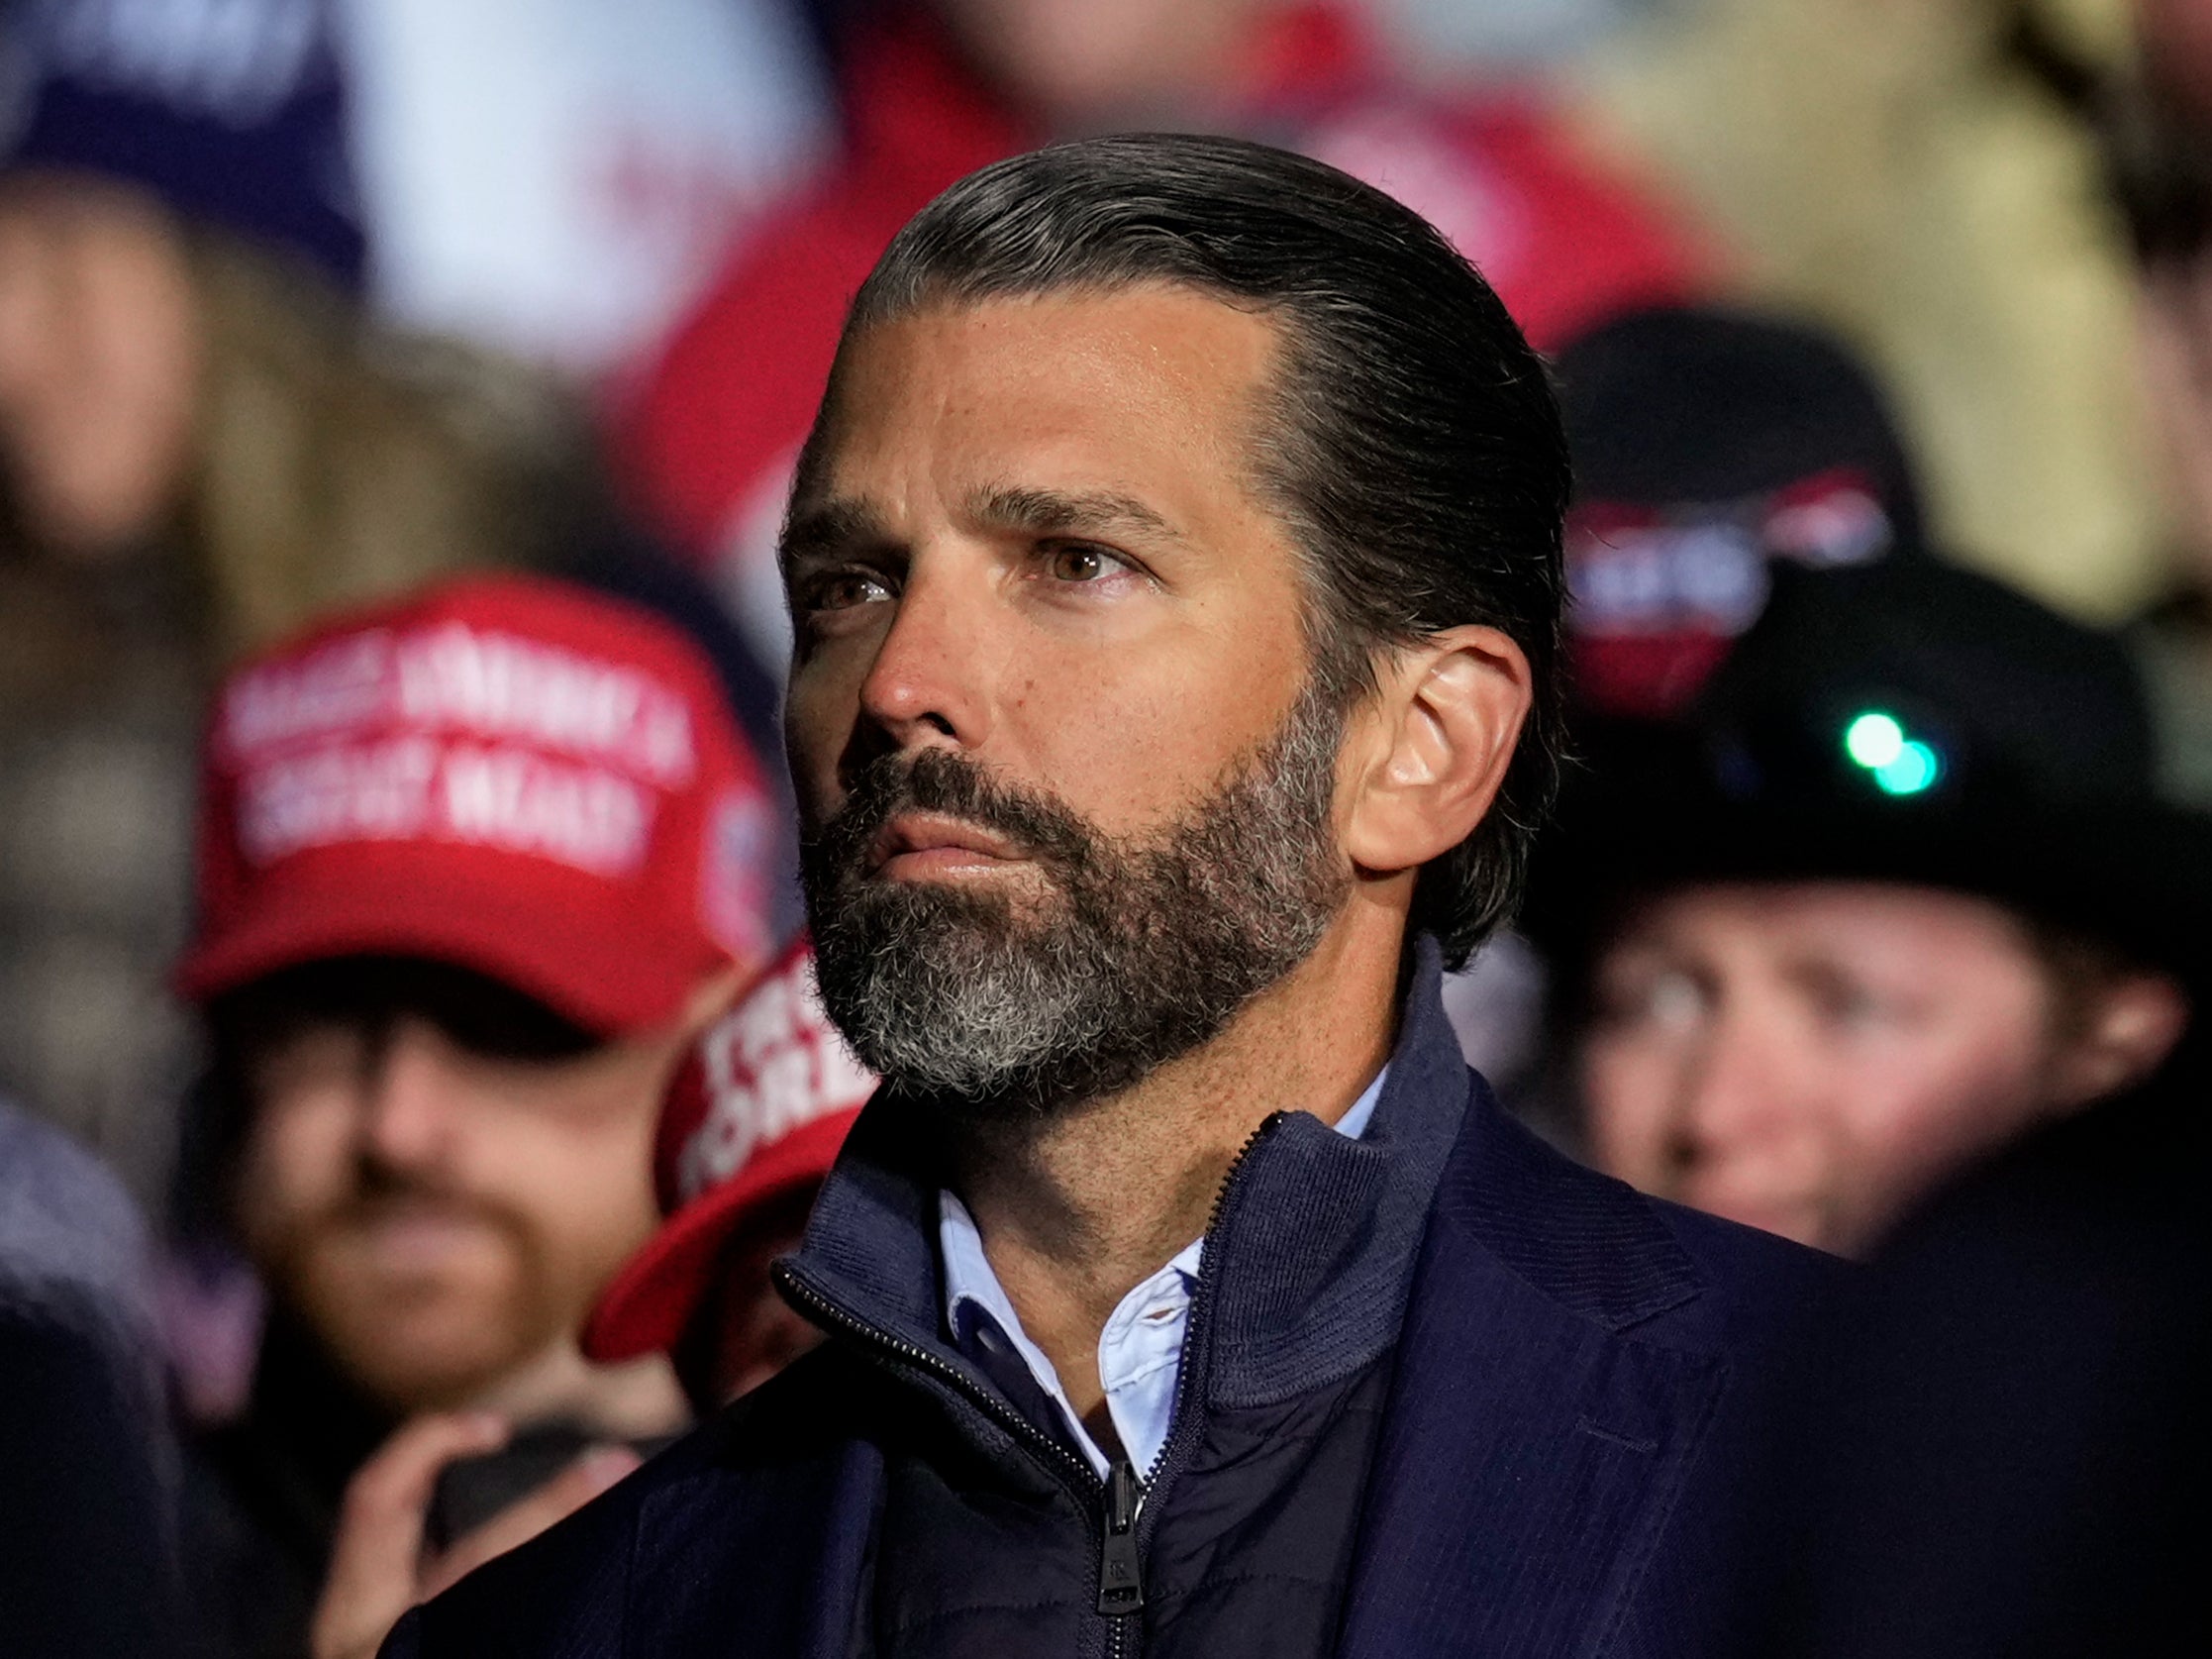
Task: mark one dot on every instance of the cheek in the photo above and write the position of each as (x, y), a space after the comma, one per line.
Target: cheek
(1133, 741)
(1937, 1104)
(1629, 1082)
(297, 1162)
(579, 1176)
(821, 708)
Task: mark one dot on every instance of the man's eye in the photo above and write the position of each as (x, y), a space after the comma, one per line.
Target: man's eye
(1853, 1006)
(844, 589)
(1668, 999)
(1078, 562)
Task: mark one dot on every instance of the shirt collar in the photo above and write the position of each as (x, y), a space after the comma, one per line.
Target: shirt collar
(980, 1319)
(968, 1278)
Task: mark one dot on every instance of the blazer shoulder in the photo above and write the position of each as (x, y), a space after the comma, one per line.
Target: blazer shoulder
(1608, 1253)
(1768, 1287)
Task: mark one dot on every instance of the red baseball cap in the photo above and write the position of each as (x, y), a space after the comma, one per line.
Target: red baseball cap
(509, 773)
(756, 1111)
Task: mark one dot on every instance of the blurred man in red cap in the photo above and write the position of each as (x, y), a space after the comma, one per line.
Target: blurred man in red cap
(751, 1123)
(475, 868)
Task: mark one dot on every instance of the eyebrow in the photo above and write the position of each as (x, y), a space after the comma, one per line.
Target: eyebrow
(838, 526)
(826, 529)
(1053, 512)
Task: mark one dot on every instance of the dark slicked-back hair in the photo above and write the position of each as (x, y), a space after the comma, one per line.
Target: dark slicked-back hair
(1410, 439)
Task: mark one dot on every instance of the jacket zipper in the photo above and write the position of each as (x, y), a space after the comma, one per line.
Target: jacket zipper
(1121, 1579)
(1174, 1451)
(1182, 1431)
(1116, 1501)
(1120, 1500)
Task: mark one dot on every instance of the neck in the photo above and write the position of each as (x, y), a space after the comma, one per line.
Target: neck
(1079, 1209)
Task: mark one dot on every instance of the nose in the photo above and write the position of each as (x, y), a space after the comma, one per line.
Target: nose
(926, 688)
(1738, 1095)
(408, 1118)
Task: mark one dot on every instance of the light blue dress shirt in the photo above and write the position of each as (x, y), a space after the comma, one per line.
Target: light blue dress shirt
(1141, 1350)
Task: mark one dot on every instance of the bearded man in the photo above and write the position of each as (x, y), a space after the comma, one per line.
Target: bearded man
(1175, 572)
(476, 866)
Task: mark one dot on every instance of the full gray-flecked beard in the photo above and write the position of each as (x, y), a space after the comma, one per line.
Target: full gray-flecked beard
(1141, 951)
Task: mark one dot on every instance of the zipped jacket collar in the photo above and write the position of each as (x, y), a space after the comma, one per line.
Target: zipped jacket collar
(1309, 1258)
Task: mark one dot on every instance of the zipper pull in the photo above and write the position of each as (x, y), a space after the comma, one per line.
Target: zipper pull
(1121, 1588)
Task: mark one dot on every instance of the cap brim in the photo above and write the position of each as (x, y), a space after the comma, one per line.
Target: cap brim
(587, 960)
(2139, 874)
(660, 1291)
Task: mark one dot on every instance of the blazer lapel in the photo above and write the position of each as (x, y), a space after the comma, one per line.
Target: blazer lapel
(1533, 1446)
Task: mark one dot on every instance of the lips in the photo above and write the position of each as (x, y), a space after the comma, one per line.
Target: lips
(919, 843)
(413, 1238)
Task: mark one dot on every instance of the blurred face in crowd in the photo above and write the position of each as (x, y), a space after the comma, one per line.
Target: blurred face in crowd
(439, 1174)
(1103, 63)
(99, 364)
(748, 1333)
(1809, 1058)
(1046, 713)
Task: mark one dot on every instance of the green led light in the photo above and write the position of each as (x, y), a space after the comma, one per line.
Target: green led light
(1900, 765)
(1874, 740)
(1914, 769)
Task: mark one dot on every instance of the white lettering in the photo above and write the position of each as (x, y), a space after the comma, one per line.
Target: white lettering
(519, 800)
(498, 686)
(773, 1065)
(1653, 582)
(342, 792)
(344, 687)
(454, 678)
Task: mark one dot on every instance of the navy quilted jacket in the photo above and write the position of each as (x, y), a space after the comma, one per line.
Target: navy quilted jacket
(1444, 1392)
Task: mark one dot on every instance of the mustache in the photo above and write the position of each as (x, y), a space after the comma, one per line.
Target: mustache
(1042, 827)
(377, 1190)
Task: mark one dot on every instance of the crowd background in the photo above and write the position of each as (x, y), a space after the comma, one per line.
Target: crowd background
(307, 303)
(493, 228)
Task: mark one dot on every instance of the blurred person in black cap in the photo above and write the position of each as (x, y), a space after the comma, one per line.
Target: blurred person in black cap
(1899, 890)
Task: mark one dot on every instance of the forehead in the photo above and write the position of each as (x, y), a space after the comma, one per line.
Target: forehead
(1151, 388)
(1875, 922)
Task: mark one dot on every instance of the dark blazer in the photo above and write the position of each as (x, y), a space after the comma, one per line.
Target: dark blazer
(1573, 1406)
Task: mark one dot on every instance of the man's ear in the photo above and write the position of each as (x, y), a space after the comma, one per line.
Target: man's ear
(1431, 746)
(2134, 1023)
